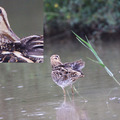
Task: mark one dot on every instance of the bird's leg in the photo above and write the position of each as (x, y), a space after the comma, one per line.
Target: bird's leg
(72, 90)
(64, 99)
(64, 92)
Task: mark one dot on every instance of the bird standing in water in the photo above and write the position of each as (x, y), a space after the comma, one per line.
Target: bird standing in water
(65, 74)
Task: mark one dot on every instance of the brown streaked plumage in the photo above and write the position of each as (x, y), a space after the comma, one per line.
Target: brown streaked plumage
(14, 49)
(32, 48)
(65, 74)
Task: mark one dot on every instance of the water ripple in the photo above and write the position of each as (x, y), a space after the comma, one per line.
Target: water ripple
(11, 98)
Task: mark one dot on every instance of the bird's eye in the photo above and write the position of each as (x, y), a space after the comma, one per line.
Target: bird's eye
(0, 11)
(66, 72)
(57, 56)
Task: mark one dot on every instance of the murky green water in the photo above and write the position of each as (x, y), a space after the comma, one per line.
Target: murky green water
(27, 91)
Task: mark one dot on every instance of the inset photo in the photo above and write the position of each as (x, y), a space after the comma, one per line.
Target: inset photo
(21, 31)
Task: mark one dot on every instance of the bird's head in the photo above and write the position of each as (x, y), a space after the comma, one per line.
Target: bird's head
(55, 60)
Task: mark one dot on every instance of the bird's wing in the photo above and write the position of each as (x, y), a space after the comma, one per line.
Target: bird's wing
(56, 75)
(79, 65)
(33, 42)
(33, 47)
(76, 65)
(74, 74)
(59, 72)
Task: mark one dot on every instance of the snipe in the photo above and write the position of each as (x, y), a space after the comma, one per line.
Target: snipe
(65, 74)
(14, 49)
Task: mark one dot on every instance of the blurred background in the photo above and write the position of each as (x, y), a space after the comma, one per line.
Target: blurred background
(98, 19)
(25, 18)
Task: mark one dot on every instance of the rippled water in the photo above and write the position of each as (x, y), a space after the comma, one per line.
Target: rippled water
(27, 91)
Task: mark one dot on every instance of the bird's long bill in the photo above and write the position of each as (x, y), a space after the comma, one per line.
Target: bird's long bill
(5, 27)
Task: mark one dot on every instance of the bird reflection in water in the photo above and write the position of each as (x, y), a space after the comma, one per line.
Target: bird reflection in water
(69, 111)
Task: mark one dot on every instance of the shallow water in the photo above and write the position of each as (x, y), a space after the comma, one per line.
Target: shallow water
(27, 91)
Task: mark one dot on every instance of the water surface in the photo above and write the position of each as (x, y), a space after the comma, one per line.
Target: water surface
(27, 91)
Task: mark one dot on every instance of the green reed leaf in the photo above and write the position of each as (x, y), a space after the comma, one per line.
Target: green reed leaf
(100, 62)
(96, 62)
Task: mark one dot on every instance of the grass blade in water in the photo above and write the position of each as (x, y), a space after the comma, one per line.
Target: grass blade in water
(100, 62)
